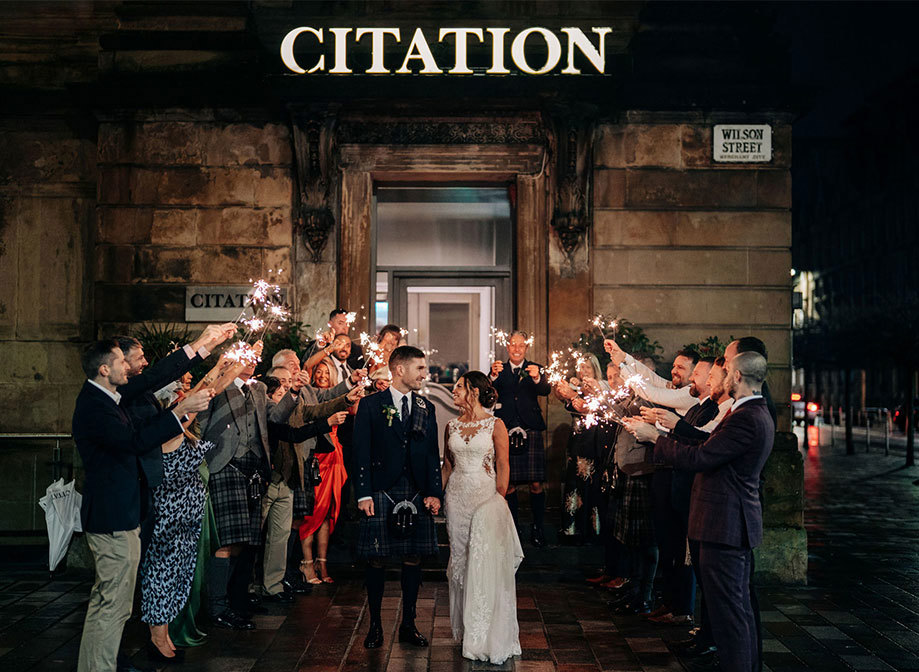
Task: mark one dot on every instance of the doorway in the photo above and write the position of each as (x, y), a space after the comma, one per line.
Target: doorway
(443, 265)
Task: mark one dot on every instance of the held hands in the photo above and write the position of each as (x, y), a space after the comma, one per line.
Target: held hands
(661, 415)
(195, 402)
(579, 404)
(563, 389)
(366, 506)
(358, 375)
(432, 504)
(641, 430)
(380, 384)
(615, 352)
(355, 393)
(496, 368)
(215, 334)
(337, 418)
(533, 370)
(302, 378)
(325, 339)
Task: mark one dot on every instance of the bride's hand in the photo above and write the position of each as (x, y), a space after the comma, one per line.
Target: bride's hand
(432, 504)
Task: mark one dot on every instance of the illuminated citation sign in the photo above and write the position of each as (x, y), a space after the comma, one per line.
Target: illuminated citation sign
(742, 143)
(532, 51)
(209, 303)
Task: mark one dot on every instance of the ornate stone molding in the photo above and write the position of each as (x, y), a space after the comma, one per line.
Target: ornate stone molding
(313, 138)
(572, 216)
(440, 131)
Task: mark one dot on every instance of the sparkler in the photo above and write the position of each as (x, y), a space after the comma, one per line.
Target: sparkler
(373, 349)
(503, 338)
(602, 323)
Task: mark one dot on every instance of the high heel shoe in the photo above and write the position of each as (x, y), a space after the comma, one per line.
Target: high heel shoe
(323, 571)
(157, 656)
(306, 569)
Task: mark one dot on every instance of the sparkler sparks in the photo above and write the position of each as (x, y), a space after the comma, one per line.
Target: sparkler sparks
(373, 349)
(603, 323)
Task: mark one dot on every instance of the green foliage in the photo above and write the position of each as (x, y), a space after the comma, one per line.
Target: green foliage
(293, 335)
(710, 347)
(160, 339)
(630, 338)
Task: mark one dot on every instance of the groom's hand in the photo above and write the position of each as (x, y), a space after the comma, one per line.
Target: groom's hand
(366, 505)
(432, 504)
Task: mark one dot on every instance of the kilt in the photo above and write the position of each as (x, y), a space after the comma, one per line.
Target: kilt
(238, 519)
(304, 499)
(375, 540)
(530, 465)
(634, 526)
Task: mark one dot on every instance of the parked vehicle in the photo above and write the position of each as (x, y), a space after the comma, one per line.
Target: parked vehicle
(803, 412)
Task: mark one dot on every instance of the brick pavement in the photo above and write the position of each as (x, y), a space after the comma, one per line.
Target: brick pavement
(860, 611)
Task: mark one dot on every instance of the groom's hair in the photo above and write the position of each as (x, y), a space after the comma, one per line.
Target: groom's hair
(403, 354)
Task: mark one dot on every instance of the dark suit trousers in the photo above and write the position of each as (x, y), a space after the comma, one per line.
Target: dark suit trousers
(725, 582)
(670, 528)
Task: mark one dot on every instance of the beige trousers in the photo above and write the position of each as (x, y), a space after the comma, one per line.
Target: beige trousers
(116, 555)
(277, 513)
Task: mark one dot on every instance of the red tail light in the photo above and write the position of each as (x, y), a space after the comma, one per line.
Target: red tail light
(813, 407)
(796, 396)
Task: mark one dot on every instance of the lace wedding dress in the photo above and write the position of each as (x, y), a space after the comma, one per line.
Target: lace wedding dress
(484, 548)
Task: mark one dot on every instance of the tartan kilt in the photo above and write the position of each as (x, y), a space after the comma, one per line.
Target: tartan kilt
(304, 499)
(530, 465)
(238, 519)
(375, 540)
(634, 526)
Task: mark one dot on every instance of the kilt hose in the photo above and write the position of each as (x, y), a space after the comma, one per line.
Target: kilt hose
(375, 539)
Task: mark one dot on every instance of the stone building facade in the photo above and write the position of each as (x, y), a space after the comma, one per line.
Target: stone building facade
(148, 147)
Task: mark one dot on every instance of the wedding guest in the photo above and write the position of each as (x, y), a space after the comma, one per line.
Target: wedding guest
(726, 509)
(338, 325)
(581, 516)
(519, 383)
(320, 524)
(239, 460)
(673, 393)
(633, 526)
(110, 445)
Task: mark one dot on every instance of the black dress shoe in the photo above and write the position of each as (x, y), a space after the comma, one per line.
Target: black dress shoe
(408, 634)
(374, 638)
(156, 656)
(699, 650)
(281, 598)
(537, 536)
(230, 620)
(297, 586)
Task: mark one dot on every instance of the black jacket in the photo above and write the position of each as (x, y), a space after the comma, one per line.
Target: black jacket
(380, 446)
(139, 401)
(110, 445)
(518, 398)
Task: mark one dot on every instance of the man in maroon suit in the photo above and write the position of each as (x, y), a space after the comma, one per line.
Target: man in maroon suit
(726, 516)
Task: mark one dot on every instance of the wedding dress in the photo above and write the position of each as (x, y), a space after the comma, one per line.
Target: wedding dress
(484, 548)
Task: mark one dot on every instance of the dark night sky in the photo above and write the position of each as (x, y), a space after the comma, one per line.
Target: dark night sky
(843, 53)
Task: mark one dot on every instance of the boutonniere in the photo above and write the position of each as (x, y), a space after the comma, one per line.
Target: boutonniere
(389, 411)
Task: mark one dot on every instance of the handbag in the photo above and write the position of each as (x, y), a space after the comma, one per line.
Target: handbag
(517, 441)
(403, 517)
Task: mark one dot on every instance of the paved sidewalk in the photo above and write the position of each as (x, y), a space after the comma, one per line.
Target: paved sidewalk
(861, 610)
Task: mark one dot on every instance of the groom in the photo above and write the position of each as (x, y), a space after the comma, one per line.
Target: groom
(398, 460)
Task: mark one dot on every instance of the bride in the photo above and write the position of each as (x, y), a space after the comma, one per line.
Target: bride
(484, 549)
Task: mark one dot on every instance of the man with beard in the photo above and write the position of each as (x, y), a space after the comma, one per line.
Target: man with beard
(338, 325)
(673, 393)
(726, 514)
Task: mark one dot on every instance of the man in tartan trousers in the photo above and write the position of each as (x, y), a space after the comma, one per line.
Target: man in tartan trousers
(398, 469)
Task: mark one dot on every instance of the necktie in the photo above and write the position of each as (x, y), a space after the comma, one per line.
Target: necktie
(405, 411)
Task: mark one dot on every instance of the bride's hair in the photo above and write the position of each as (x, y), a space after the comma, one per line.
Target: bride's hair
(488, 396)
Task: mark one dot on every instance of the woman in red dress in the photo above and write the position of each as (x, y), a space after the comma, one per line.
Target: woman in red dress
(327, 506)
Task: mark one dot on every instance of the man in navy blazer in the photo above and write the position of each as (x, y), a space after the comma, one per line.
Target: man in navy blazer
(398, 461)
(726, 514)
(110, 446)
(519, 384)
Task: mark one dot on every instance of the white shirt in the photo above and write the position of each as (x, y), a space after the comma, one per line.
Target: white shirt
(114, 396)
(397, 400)
(654, 387)
(723, 408)
(744, 400)
(239, 382)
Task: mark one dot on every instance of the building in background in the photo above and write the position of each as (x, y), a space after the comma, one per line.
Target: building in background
(149, 148)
